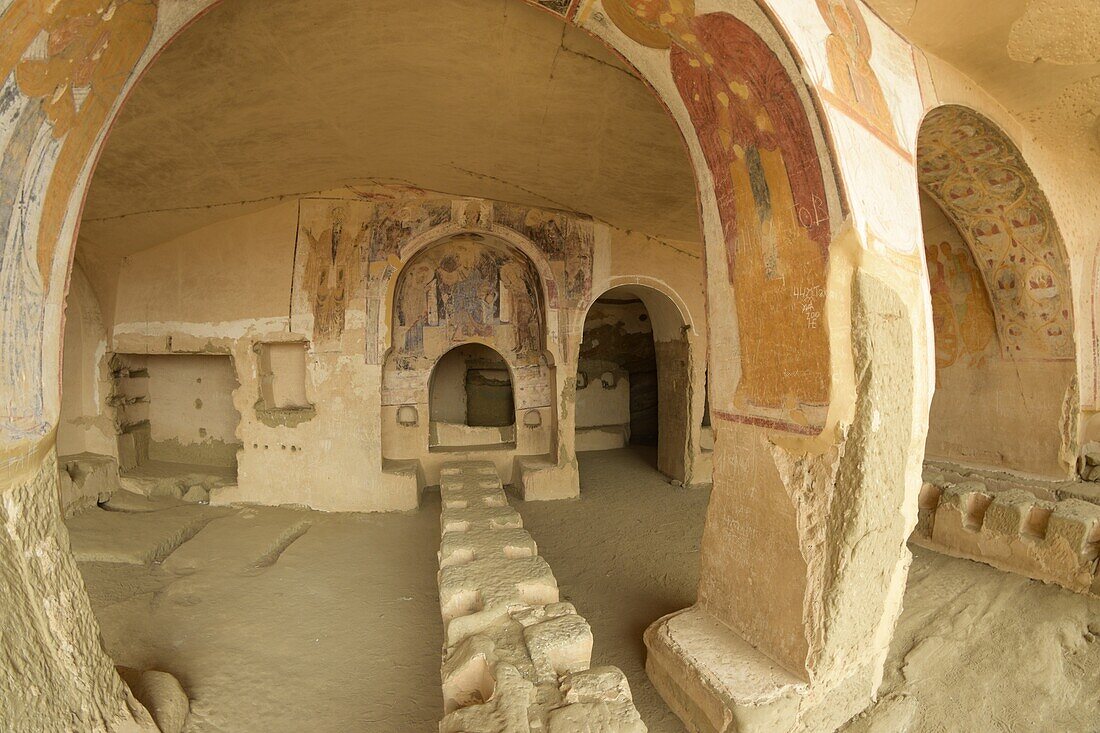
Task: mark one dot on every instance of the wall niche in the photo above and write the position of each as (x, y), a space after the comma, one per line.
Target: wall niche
(282, 368)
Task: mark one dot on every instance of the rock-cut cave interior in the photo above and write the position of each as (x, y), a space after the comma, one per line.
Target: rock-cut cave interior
(550, 366)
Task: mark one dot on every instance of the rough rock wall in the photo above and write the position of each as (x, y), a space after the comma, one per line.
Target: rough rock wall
(54, 675)
(85, 424)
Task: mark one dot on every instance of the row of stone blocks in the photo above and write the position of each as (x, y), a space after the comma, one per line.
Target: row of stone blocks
(515, 657)
(1053, 541)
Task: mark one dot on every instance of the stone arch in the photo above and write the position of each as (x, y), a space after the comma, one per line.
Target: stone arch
(709, 55)
(462, 290)
(420, 242)
(677, 370)
(978, 176)
(458, 410)
(1001, 301)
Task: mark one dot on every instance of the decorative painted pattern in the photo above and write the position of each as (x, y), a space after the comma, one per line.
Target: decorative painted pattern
(981, 182)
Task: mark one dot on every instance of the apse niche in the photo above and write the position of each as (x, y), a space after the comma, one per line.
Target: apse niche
(467, 371)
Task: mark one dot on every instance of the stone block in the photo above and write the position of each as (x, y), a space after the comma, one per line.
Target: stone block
(598, 716)
(481, 517)
(473, 595)
(559, 646)
(542, 480)
(598, 683)
(716, 681)
(479, 543)
(506, 710)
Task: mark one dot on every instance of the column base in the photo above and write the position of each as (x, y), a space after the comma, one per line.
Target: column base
(542, 480)
(716, 681)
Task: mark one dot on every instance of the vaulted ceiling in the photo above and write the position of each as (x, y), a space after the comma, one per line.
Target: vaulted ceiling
(496, 98)
(1039, 58)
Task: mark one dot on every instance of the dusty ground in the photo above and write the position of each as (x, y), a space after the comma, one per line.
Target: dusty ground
(981, 650)
(625, 553)
(282, 620)
(337, 632)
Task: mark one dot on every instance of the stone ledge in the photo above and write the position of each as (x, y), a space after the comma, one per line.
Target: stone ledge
(540, 479)
(1013, 530)
(515, 658)
(716, 681)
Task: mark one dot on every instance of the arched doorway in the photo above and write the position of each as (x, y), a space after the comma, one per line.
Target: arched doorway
(470, 399)
(768, 148)
(467, 355)
(634, 372)
(1002, 311)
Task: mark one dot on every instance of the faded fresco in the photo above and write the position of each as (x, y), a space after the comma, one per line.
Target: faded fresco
(461, 290)
(769, 183)
(566, 239)
(349, 249)
(563, 8)
(331, 245)
(855, 87)
(979, 179)
(962, 316)
(70, 62)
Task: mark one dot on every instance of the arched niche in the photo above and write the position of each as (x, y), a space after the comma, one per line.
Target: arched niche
(1001, 297)
(466, 292)
(627, 328)
(471, 400)
(422, 237)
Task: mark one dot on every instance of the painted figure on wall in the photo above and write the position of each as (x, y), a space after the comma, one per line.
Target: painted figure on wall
(963, 322)
(465, 290)
(68, 61)
(981, 182)
(768, 178)
(853, 80)
(74, 57)
(333, 271)
(567, 242)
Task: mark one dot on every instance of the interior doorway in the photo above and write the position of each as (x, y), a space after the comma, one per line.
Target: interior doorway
(632, 377)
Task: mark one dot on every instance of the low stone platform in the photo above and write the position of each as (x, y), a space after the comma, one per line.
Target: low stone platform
(515, 657)
(1053, 540)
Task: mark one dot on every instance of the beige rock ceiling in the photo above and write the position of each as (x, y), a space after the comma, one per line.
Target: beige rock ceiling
(495, 98)
(1039, 58)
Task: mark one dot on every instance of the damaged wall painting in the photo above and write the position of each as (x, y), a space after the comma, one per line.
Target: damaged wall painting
(962, 315)
(71, 62)
(466, 289)
(760, 148)
(979, 179)
(350, 247)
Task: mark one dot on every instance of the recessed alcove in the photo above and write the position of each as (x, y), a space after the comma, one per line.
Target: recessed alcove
(471, 402)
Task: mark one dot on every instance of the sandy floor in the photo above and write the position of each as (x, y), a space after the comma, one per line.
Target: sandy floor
(281, 620)
(625, 553)
(339, 631)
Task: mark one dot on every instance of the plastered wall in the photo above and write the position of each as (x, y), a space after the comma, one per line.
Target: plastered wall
(326, 272)
(619, 361)
(86, 424)
(989, 407)
(192, 418)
